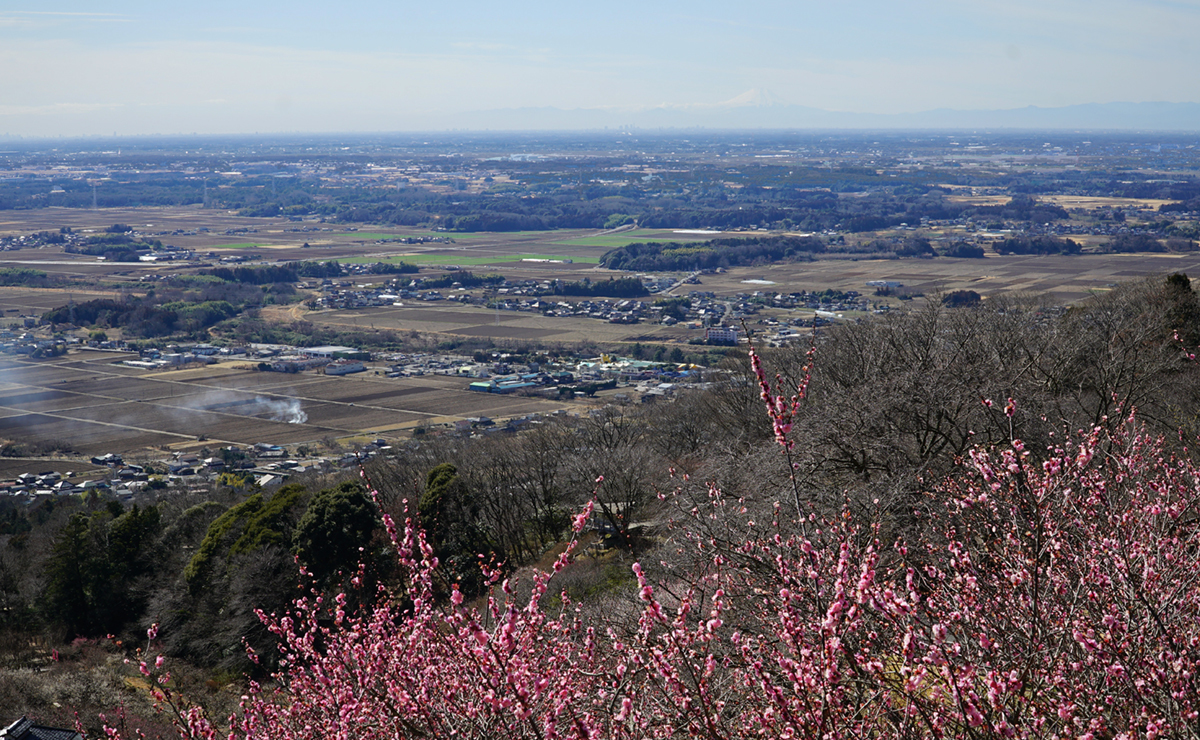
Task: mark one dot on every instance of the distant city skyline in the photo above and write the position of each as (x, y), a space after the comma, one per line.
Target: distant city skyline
(132, 67)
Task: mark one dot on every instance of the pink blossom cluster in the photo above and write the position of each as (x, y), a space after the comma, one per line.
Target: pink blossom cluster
(1052, 600)
(780, 407)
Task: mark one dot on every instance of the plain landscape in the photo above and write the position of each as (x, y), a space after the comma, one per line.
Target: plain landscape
(556, 354)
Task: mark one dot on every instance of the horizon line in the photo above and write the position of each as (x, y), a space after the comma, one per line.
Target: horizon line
(625, 129)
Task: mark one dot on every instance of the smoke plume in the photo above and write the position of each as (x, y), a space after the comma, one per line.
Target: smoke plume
(286, 410)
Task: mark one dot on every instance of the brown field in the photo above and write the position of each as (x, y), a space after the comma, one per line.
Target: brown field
(151, 218)
(16, 301)
(476, 321)
(12, 467)
(979, 200)
(1089, 203)
(1082, 202)
(100, 407)
(1067, 278)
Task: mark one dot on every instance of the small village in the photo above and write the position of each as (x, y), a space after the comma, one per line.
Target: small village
(700, 308)
(624, 380)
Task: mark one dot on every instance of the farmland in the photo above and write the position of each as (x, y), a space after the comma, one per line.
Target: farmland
(436, 258)
(95, 405)
(873, 207)
(1066, 201)
(1067, 277)
(471, 321)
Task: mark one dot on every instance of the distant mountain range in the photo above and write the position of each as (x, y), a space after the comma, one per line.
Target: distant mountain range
(761, 109)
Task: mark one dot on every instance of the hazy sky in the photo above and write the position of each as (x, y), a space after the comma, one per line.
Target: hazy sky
(71, 67)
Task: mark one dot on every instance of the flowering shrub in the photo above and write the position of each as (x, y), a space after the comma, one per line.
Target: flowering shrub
(1047, 600)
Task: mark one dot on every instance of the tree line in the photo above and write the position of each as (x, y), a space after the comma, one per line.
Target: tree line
(186, 306)
(707, 255)
(465, 278)
(287, 272)
(115, 246)
(623, 287)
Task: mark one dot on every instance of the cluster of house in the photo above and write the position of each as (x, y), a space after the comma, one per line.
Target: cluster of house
(177, 355)
(265, 464)
(520, 381)
(850, 300)
(413, 239)
(482, 425)
(403, 364)
(332, 360)
(165, 253)
(14, 242)
(631, 371)
(1058, 228)
(122, 481)
(501, 376)
(51, 484)
(495, 374)
(27, 343)
(647, 380)
(533, 296)
(345, 294)
(1099, 228)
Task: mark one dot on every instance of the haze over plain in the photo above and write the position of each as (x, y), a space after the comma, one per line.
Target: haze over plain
(130, 67)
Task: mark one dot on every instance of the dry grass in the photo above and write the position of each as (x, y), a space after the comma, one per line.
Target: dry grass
(1071, 202)
(979, 200)
(1092, 203)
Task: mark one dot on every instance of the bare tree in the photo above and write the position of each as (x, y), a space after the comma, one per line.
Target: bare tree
(613, 444)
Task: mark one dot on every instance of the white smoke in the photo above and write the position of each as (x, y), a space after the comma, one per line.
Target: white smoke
(286, 410)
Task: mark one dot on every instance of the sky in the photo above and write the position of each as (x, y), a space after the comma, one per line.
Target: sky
(134, 67)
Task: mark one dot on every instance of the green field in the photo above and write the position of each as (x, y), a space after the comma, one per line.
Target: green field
(450, 259)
